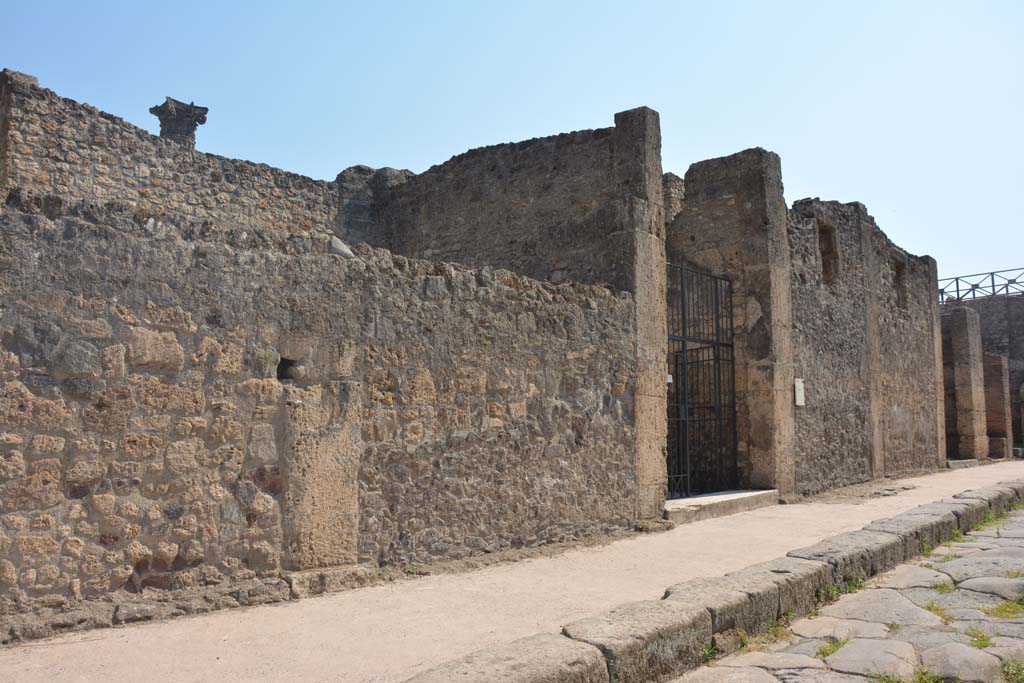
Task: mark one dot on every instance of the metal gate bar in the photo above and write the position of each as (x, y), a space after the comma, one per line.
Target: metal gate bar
(702, 396)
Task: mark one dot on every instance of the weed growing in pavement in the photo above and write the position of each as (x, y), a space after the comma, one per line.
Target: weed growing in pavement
(979, 639)
(939, 612)
(830, 646)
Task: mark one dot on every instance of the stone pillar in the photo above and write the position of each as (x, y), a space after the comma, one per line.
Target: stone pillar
(320, 468)
(997, 405)
(637, 167)
(733, 221)
(966, 431)
(178, 121)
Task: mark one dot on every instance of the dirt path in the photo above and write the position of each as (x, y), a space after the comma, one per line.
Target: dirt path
(389, 632)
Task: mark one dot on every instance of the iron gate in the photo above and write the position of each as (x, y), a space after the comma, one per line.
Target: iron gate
(702, 391)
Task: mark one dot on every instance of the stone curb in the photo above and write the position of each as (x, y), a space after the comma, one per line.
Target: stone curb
(543, 658)
(658, 639)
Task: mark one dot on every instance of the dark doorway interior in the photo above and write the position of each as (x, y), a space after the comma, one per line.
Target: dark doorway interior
(702, 391)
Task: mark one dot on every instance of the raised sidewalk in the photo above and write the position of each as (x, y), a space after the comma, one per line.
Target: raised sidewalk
(392, 632)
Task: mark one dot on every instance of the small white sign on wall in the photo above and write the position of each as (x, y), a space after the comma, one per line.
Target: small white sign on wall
(798, 392)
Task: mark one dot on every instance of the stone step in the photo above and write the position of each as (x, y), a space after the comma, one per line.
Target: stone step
(961, 464)
(711, 505)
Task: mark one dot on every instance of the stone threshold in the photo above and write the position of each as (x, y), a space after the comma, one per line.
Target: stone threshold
(654, 640)
(720, 504)
(961, 464)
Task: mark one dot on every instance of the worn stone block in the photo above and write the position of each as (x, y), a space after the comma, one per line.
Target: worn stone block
(644, 641)
(917, 530)
(856, 554)
(800, 582)
(729, 606)
(543, 658)
(999, 498)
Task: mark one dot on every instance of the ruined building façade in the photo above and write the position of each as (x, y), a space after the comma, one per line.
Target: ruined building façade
(218, 373)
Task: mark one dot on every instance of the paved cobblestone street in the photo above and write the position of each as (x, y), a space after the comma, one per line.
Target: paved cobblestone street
(956, 614)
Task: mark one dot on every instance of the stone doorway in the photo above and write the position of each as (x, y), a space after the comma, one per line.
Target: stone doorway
(701, 454)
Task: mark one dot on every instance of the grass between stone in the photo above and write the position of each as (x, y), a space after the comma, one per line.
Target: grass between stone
(942, 586)
(1013, 671)
(1015, 574)
(979, 639)
(921, 675)
(1011, 609)
(830, 646)
(940, 612)
(776, 631)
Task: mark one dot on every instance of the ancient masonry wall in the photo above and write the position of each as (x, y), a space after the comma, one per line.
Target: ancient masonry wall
(966, 418)
(821, 295)
(178, 409)
(1002, 332)
(859, 301)
(733, 221)
(582, 207)
(53, 146)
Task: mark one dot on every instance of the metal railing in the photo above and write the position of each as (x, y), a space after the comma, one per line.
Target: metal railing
(1000, 282)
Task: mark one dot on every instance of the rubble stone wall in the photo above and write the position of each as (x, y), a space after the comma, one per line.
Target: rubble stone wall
(54, 146)
(859, 302)
(830, 347)
(557, 208)
(181, 405)
(582, 207)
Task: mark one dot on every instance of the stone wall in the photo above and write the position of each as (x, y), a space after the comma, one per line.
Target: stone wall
(1002, 332)
(182, 404)
(859, 301)
(51, 145)
(583, 207)
(733, 221)
(966, 420)
(820, 295)
(833, 441)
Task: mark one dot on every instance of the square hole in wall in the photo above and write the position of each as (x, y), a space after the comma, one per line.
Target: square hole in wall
(286, 369)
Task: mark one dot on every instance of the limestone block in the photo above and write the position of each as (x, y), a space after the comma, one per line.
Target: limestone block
(856, 554)
(1000, 498)
(917, 529)
(729, 606)
(543, 658)
(800, 582)
(644, 641)
(969, 511)
(154, 350)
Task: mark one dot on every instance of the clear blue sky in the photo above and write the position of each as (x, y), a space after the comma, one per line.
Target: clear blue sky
(914, 108)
